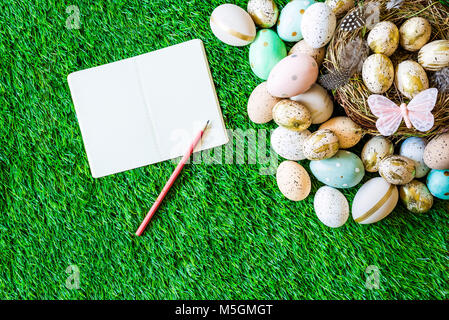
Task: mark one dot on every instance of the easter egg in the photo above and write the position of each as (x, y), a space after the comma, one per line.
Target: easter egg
(413, 148)
(303, 47)
(288, 143)
(260, 104)
(340, 7)
(318, 101)
(292, 115)
(438, 183)
(265, 52)
(411, 78)
(232, 25)
(397, 169)
(321, 144)
(293, 180)
(434, 56)
(344, 170)
(378, 73)
(384, 38)
(416, 197)
(292, 75)
(436, 153)
(414, 33)
(318, 25)
(348, 132)
(376, 149)
(375, 200)
(289, 24)
(263, 12)
(331, 207)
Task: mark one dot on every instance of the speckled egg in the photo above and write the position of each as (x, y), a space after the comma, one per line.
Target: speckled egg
(436, 153)
(340, 7)
(397, 169)
(416, 197)
(303, 47)
(292, 115)
(376, 149)
(348, 132)
(375, 200)
(414, 33)
(288, 143)
(232, 25)
(411, 78)
(318, 25)
(413, 148)
(438, 183)
(322, 144)
(264, 13)
(260, 104)
(384, 38)
(292, 75)
(265, 52)
(318, 101)
(378, 73)
(331, 207)
(293, 180)
(344, 170)
(434, 56)
(289, 24)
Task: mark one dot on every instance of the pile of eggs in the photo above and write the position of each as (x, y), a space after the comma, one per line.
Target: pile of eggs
(291, 97)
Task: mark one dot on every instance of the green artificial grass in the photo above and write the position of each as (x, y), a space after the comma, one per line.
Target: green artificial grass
(224, 232)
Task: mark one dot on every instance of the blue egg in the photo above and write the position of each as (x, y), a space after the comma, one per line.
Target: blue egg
(438, 183)
(344, 170)
(289, 23)
(413, 148)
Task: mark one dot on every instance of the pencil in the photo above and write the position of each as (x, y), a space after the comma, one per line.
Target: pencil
(171, 181)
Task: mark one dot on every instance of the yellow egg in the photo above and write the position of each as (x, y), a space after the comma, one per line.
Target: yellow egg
(416, 197)
(265, 13)
(378, 73)
(384, 38)
(303, 47)
(292, 115)
(411, 78)
(293, 180)
(348, 132)
(415, 33)
(434, 56)
(376, 149)
(340, 7)
(260, 104)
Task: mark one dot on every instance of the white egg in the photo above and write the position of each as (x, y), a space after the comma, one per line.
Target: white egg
(340, 7)
(434, 56)
(288, 144)
(415, 33)
(411, 78)
(331, 207)
(319, 103)
(232, 25)
(375, 200)
(378, 73)
(384, 38)
(318, 25)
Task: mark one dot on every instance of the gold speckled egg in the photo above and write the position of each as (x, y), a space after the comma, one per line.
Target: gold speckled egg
(416, 197)
(434, 56)
(303, 47)
(293, 180)
(378, 73)
(322, 144)
(260, 104)
(292, 115)
(348, 132)
(414, 33)
(265, 13)
(384, 38)
(397, 169)
(436, 153)
(374, 151)
(340, 7)
(411, 78)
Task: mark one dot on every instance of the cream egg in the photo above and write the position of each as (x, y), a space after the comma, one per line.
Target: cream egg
(340, 7)
(436, 153)
(293, 181)
(331, 207)
(265, 13)
(414, 33)
(348, 132)
(288, 143)
(260, 104)
(378, 73)
(318, 25)
(374, 151)
(321, 144)
(318, 101)
(411, 78)
(397, 169)
(384, 38)
(304, 48)
(434, 56)
(292, 115)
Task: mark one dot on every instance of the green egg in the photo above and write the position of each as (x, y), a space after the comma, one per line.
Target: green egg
(265, 52)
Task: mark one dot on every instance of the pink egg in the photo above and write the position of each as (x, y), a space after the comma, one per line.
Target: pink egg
(292, 75)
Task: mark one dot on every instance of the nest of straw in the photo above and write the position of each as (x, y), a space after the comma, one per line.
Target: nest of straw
(353, 96)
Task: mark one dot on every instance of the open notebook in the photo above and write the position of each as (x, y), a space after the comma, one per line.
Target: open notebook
(146, 109)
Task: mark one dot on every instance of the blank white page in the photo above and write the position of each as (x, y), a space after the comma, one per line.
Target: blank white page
(146, 109)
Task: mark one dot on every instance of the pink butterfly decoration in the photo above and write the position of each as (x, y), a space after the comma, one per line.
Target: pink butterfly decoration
(416, 113)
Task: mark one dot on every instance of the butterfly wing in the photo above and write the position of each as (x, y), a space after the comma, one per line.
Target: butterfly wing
(388, 112)
(419, 109)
